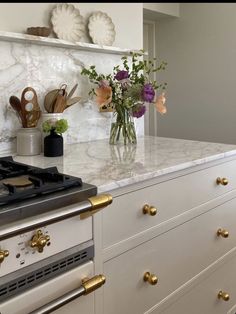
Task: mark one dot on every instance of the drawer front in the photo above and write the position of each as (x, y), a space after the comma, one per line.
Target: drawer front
(125, 218)
(36, 297)
(174, 257)
(203, 298)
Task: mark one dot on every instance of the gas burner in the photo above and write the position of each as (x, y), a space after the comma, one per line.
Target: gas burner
(19, 181)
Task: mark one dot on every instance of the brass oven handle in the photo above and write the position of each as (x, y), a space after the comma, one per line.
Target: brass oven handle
(88, 286)
(90, 206)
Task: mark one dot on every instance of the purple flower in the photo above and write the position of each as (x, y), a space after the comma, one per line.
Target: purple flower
(121, 75)
(138, 111)
(148, 93)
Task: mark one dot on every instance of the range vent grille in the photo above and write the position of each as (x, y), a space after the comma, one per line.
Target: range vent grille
(36, 277)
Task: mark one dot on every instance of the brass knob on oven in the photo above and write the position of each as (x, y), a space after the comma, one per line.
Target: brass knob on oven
(150, 278)
(223, 295)
(223, 233)
(3, 254)
(150, 210)
(39, 240)
(222, 181)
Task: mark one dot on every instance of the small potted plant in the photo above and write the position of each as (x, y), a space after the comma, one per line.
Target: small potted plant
(53, 143)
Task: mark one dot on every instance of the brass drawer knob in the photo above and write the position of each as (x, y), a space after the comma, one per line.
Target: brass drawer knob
(223, 295)
(150, 278)
(3, 254)
(222, 181)
(150, 210)
(223, 233)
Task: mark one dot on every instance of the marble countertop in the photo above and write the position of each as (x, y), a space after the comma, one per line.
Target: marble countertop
(110, 166)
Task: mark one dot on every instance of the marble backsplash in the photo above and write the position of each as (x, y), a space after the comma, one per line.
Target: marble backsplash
(45, 68)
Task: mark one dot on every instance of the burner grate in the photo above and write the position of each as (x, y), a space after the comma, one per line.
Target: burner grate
(43, 181)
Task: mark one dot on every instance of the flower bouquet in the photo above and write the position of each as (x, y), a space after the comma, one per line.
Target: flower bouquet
(126, 92)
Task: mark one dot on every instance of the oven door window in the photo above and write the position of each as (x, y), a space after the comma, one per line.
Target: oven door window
(40, 295)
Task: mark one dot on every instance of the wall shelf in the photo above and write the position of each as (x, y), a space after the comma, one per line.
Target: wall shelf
(54, 42)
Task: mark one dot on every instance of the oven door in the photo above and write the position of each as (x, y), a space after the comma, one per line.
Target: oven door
(52, 296)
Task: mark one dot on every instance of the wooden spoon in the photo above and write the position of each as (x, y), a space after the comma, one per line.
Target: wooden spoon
(16, 105)
(72, 101)
(72, 91)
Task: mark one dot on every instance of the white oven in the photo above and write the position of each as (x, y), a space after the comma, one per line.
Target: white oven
(46, 261)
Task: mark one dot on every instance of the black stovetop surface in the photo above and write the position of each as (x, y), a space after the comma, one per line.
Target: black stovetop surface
(19, 181)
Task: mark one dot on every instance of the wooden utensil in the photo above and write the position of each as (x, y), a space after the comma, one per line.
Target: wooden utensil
(30, 107)
(72, 101)
(16, 105)
(72, 91)
(60, 103)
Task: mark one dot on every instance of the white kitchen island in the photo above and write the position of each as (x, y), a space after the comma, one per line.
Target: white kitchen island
(172, 223)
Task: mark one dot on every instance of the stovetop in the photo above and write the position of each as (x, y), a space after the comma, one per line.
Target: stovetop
(32, 190)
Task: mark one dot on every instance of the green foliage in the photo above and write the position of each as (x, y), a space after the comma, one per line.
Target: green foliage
(59, 126)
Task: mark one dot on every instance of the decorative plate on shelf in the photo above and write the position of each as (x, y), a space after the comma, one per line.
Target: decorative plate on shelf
(101, 29)
(67, 22)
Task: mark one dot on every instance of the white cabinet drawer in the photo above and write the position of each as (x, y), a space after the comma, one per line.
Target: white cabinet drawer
(124, 218)
(175, 257)
(203, 297)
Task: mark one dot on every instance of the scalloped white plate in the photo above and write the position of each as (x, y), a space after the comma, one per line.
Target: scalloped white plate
(101, 29)
(67, 22)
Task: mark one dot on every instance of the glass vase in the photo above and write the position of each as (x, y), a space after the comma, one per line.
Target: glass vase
(122, 129)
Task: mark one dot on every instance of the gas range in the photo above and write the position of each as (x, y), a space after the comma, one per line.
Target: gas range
(46, 230)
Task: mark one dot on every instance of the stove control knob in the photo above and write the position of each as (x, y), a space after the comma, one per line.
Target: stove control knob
(39, 240)
(3, 254)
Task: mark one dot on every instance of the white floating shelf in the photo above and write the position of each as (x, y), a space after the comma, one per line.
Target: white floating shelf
(54, 42)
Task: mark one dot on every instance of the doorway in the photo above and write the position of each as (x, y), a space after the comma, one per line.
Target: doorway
(149, 45)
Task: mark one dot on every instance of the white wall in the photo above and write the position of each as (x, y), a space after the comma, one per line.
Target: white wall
(165, 8)
(127, 17)
(200, 48)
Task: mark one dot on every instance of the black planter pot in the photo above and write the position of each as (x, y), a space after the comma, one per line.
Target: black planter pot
(53, 145)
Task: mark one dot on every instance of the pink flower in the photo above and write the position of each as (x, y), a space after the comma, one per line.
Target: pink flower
(160, 102)
(104, 83)
(103, 95)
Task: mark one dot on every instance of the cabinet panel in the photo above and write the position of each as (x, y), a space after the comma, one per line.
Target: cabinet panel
(203, 298)
(125, 218)
(175, 257)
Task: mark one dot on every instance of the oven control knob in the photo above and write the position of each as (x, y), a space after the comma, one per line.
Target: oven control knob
(3, 254)
(39, 240)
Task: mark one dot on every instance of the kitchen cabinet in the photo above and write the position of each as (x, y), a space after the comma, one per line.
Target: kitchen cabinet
(172, 223)
(189, 229)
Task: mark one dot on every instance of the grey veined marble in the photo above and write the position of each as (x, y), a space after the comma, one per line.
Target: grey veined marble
(45, 68)
(110, 166)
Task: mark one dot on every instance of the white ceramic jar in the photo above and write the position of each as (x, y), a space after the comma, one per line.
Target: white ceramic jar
(28, 142)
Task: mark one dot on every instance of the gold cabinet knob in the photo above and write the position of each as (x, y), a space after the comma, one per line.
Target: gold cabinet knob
(223, 295)
(3, 254)
(222, 181)
(150, 278)
(150, 210)
(223, 233)
(39, 240)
